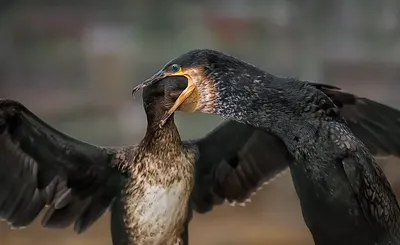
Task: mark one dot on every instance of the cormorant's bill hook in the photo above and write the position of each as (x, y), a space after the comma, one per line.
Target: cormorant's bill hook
(155, 78)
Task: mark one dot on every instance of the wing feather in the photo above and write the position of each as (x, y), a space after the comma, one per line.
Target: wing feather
(234, 161)
(40, 166)
(375, 124)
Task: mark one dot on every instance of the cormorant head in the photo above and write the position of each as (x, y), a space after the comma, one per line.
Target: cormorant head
(202, 68)
(159, 97)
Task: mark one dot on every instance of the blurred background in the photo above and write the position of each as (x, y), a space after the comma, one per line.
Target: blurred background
(74, 64)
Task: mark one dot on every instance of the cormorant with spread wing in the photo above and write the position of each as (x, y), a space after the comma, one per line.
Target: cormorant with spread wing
(146, 186)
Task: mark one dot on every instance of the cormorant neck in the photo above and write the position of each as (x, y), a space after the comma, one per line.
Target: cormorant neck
(160, 136)
(285, 107)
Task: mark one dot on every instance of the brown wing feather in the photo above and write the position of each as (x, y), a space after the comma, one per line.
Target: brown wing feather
(234, 161)
(41, 166)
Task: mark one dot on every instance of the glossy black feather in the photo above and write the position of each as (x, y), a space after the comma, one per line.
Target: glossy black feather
(41, 166)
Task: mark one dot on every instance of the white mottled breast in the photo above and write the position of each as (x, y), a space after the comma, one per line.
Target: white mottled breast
(161, 205)
(160, 212)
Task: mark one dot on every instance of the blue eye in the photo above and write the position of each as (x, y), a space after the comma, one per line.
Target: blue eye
(175, 67)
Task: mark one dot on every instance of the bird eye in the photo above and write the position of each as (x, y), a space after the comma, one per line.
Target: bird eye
(175, 67)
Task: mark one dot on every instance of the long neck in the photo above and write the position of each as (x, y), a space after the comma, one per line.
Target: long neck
(284, 107)
(160, 138)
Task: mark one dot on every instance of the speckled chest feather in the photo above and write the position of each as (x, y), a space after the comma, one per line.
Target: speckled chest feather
(157, 196)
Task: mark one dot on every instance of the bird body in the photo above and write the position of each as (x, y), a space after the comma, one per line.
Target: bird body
(333, 212)
(157, 194)
(160, 179)
(335, 176)
(345, 197)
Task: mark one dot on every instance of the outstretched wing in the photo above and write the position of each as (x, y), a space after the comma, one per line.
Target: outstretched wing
(40, 166)
(375, 124)
(234, 161)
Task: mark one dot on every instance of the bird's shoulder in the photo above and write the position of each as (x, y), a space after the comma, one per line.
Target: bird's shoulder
(318, 105)
(122, 157)
(341, 136)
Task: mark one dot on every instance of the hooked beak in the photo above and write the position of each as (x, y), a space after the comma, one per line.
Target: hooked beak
(155, 78)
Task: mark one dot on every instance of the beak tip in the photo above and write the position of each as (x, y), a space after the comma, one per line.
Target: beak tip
(135, 89)
(147, 82)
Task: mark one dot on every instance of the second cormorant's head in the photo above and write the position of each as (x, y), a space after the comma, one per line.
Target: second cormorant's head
(207, 72)
(159, 97)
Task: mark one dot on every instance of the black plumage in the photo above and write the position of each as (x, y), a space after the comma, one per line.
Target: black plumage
(41, 166)
(344, 195)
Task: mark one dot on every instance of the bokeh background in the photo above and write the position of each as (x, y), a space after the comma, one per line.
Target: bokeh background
(74, 63)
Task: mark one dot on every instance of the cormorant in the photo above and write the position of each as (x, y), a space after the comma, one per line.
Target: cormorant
(344, 195)
(148, 187)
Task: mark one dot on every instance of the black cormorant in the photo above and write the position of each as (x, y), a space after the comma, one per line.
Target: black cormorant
(344, 195)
